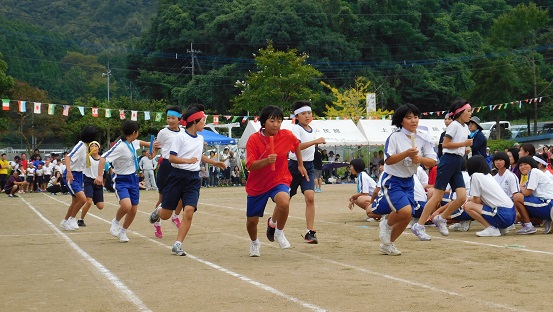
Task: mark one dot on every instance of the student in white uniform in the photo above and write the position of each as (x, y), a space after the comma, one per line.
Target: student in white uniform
(487, 202)
(94, 193)
(535, 199)
(365, 188)
(505, 178)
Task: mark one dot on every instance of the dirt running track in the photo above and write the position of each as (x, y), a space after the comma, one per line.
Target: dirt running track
(46, 269)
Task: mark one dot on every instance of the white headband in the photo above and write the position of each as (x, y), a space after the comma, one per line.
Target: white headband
(302, 109)
(541, 161)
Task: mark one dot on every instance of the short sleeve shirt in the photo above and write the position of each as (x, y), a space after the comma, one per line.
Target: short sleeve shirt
(262, 180)
(78, 157)
(304, 135)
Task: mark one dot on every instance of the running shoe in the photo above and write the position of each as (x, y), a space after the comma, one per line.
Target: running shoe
(154, 216)
(270, 231)
(254, 249)
(441, 224)
(310, 237)
(420, 232)
(123, 237)
(115, 228)
(176, 221)
(81, 222)
(462, 226)
(177, 250)
(390, 250)
(282, 241)
(385, 232)
(157, 231)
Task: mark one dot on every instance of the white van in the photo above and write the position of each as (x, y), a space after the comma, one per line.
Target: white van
(489, 128)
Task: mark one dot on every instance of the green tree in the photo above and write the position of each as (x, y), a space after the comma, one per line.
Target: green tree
(6, 82)
(281, 78)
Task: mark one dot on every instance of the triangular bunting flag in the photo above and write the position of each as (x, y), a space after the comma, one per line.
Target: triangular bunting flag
(95, 112)
(134, 115)
(235, 118)
(51, 109)
(146, 115)
(22, 106)
(245, 118)
(108, 113)
(5, 104)
(255, 118)
(38, 107)
(81, 110)
(158, 116)
(122, 114)
(228, 117)
(66, 110)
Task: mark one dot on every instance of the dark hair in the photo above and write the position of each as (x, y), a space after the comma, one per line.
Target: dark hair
(381, 162)
(502, 156)
(455, 106)
(270, 112)
(530, 148)
(129, 127)
(300, 104)
(514, 152)
(194, 108)
(88, 134)
(358, 164)
(528, 160)
(477, 163)
(175, 108)
(3, 154)
(403, 111)
(542, 156)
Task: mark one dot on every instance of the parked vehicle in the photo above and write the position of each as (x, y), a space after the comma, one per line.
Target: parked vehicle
(490, 132)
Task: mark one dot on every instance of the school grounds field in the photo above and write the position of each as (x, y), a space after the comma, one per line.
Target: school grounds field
(46, 269)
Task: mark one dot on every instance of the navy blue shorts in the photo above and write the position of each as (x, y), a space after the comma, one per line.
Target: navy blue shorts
(298, 179)
(163, 172)
(256, 204)
(499, 217)
(126, 186)
(182, 184)
(449, 171)
(77, 184)
(94, 191)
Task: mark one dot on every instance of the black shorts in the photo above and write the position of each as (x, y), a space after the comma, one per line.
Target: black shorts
(163, 172)
(94, 191)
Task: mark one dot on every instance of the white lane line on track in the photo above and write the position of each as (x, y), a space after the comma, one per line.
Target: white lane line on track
(129, 294)
(244, 278)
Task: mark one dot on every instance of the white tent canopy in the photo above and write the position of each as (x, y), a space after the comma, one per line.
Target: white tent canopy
(377, 131)
(335, 132)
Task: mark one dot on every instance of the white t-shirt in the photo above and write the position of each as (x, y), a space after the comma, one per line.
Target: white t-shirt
(48, 169)
(365, 184)
(303, 135)
(146, 163)
(122, 157)
(422, 176)
(540, 184)
(188, 146)
(400, 141)
(92, 171)
(420, 193)
(78, 157)
(489, 191)
(457, 132)
(31, 172)
(165, 137)
(508, 182)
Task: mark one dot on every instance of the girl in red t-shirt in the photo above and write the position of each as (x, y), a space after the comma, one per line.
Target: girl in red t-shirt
(267, 161)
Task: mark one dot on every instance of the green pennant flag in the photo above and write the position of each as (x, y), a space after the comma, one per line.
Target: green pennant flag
(158, 116)
(235, 118)
(108, 113)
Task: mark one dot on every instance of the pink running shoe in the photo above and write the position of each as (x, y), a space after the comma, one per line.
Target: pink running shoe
(157, 231)
(176, 221)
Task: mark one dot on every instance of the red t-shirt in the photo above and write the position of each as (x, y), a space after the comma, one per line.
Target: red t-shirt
(264, 179)
(432, 175)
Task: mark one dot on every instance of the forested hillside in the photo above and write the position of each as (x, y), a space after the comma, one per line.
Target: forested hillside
(427, 52)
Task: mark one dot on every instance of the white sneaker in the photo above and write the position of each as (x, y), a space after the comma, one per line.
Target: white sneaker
(441, 224)
(64, 225)
(420, 232)
(254, 249)
(385, 232)
(462, 226)
(282, 241)
(123, 237)
(73, 223)
(489, 232)
(115, 228)
(390, 250)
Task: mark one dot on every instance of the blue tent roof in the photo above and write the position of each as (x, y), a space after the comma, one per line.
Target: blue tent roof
(213, 138)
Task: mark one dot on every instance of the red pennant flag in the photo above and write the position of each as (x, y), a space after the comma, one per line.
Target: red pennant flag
(66, 110)
(38, 107)
(216, 119)
(122, 114)
(255, 118)
(134, 115)
(245, 119)
(95, 112)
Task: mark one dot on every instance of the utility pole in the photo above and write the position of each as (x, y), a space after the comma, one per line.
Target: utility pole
(193, 58)
(107, 74)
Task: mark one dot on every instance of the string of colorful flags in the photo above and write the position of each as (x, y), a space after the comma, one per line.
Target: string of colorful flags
(158, 116)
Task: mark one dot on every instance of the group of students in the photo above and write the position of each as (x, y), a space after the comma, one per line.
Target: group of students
(464, 190)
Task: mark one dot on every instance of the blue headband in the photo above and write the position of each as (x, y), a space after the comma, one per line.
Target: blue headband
(173, 113)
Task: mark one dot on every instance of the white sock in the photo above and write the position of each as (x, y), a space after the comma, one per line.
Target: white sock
(256, 242)
(307, 231)
(71, 218)
(178, 243)
(271, 223)
(528, 224)
(175, 216)
(157, 223)
(278, 232)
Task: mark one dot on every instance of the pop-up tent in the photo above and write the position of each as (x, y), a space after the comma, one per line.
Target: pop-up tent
(212, 138)
(335, 132)
(377, 131)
